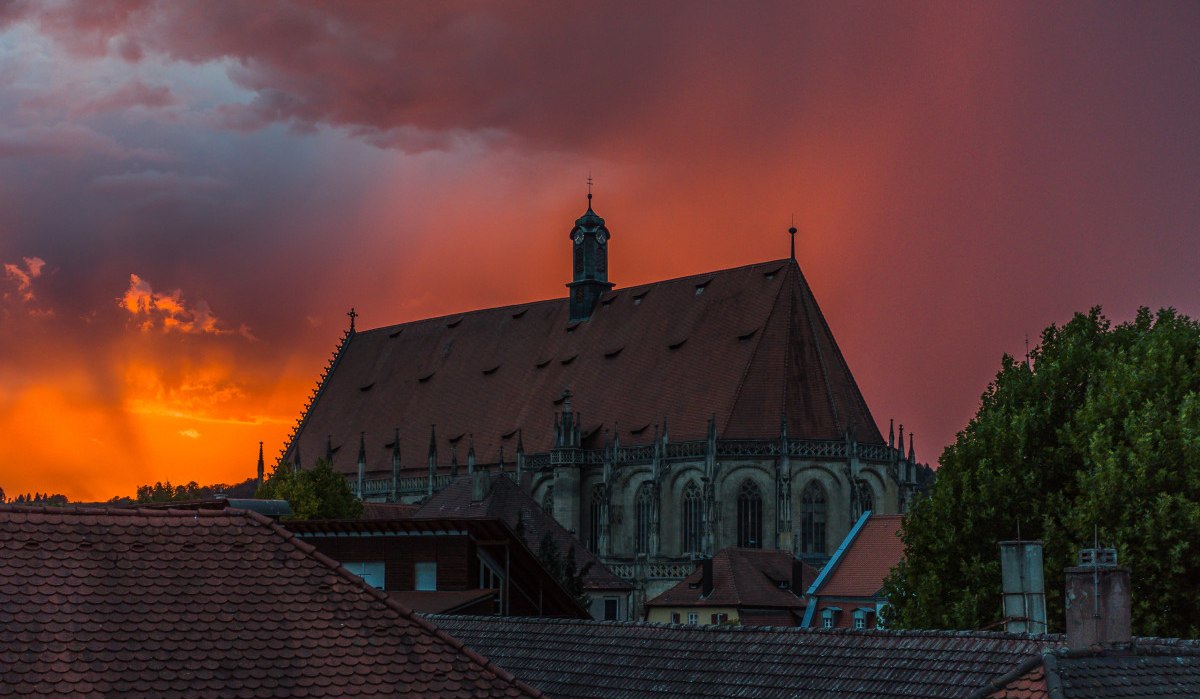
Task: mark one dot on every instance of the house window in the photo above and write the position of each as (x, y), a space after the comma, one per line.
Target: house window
(644, 505)
(612, 609)
(828, 616)
(860, 617)
(489, 574)
(370, 571)
(426, 576)
(691, 518)
(749, 516)
(812, 519)
(693, 618)
(674, 617)
(594, 522)
(720, 618)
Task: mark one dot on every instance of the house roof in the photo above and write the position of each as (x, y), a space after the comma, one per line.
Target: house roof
(485, 531)
(622, 660)
(742, 344)
(1144, 668)
(864, 560)
(742, 578)
(387, 510)
(207, 603)
(508, 502)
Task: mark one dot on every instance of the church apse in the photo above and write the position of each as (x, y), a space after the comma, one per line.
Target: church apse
(663, 421)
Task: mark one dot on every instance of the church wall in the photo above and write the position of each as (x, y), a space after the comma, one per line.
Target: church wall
(733, 475)
(837, 505)
(671, 522)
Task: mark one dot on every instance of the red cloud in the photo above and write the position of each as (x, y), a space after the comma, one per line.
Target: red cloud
(24, 275)
(167, 311)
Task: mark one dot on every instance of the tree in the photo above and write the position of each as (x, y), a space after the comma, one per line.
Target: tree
(317, 493)
(565, 572)
(1097, 436)
(165, 492)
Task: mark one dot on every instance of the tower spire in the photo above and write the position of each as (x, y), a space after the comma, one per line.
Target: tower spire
(589, 255)
(261, 466)
(792, 233)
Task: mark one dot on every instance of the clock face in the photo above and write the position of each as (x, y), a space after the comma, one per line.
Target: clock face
(601, 237)
(578, 237)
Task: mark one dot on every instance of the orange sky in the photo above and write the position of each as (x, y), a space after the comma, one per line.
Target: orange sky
(192, 195)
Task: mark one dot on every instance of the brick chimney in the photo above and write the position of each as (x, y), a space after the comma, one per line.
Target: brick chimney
(706, 577)
(1097, 600)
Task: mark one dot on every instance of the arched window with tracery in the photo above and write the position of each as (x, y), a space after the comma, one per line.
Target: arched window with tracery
(596, 518)
(691, 518)
(548, 500)
(866, 497)
(812, 518)
(749, 516)
(644, 506)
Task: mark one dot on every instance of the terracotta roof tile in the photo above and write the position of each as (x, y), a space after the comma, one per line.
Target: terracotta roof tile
(753, 337)
(589, 659)
(743, 578)
(872, 554)
(223, 603)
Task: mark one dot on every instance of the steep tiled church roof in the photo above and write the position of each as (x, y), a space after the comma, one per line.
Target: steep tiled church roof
(207, 603)
(746, 345)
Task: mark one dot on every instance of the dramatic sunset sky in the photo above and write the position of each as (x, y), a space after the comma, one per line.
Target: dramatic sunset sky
(193, 194)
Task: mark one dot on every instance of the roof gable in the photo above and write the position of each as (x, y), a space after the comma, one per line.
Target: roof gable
(746, 344)
(207, 603)
(741, 578)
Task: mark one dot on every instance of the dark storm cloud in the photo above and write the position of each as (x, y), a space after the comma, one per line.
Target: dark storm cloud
(962, 174)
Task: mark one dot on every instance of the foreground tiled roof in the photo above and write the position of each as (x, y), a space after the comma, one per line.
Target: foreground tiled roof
(860, 569)
(1145, 668)
(631, 660)
(744, 344)
(741, 578)
(507, 502)
(206, 603)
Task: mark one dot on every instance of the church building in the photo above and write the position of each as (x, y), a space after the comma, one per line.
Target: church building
(659, 423)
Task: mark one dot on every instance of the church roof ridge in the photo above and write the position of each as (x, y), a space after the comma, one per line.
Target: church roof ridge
(563, 299)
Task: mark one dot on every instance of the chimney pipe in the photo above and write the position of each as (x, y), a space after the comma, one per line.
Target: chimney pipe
(1024, 587)
(1097, 600)
(706, 579)
(481, 485)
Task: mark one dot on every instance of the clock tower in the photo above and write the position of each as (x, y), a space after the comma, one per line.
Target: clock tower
(589, 252)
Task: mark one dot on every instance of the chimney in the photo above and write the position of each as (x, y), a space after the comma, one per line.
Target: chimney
(481, 485)
(706, 577)
(798, 585)
(1097, 600)
(1024, 588)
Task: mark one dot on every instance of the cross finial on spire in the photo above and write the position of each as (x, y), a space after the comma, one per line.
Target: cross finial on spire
(589, 183)
(792, 232)
(353, 314)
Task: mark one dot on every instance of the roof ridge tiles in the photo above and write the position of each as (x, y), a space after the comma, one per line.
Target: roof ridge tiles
(561, 299)
(882, 633)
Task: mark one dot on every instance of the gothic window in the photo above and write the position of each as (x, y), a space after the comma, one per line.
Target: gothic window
(749, 516)
(812, 519)
(691, 518)
(866, 497)
(548, 500)
(644, 504)
(595, 521)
